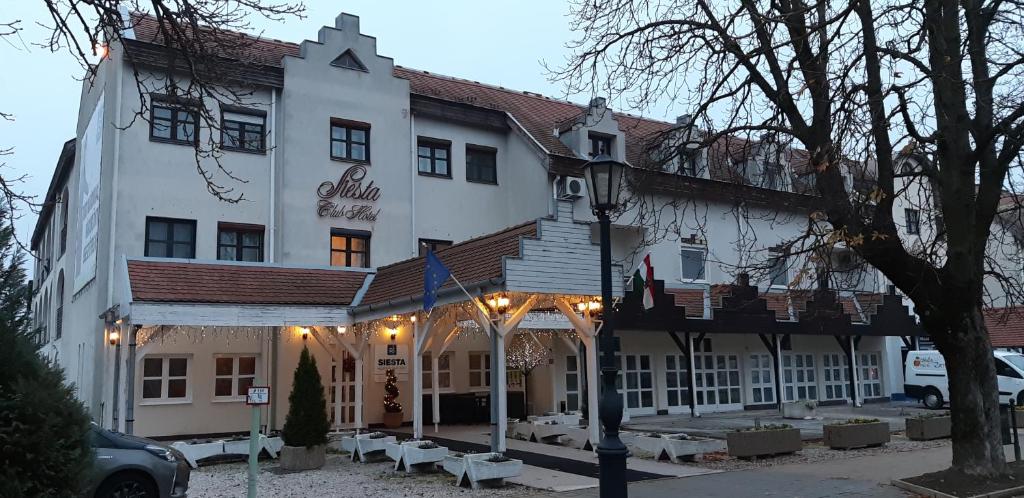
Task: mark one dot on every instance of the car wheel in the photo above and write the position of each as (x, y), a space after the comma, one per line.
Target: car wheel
(933, 399)
(129, 485)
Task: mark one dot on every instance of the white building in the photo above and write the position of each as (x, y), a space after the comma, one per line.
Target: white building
(163, 303)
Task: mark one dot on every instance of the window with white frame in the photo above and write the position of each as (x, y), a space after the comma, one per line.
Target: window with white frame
(694, 261)
(778, 272)
(479, 370)
(799, 379)
(837, 376)
(761, 378)
(444, 372)
(677, 380)
(165, 378)
(233, 375)
(870, 375)
(572, 383)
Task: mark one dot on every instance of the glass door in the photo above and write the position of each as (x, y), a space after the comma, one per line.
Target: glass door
(639, 388)
(837, 376)
(677, 381)
(798, 376)
(762, 382)
(346, 376)
(717, 381)
(870, 375)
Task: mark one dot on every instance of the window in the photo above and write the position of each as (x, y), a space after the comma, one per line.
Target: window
(677, 380)
(170, 238)
(236, 242)
(772, 178)
(870, 375)
(761, 379)
(481, 164)
(572, 383)
(233, 375)
(479, 370)
(348, 60)
(350, 248)
(688, 161)
(913, 221)
(837, 376)
(434, 157)
(433, 245)
(58, 318)
(243, 131)
(165, 378)
(798, 375)
(694, 262)
(64, 200)
(350, 141)
(1002, 369)
(600, 145)
(444, 372)
(170, 123)
(778, 273)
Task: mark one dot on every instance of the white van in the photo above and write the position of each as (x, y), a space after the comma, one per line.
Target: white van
(925, 377)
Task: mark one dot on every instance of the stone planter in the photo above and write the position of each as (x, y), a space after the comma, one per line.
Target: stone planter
(370, 448)
(799, 410)
(689, 449)
(547, 433)
(392, 420)
(756, 443)
(341, 441)
(454, 465)
(578, 437)
(927, 428)
(302, 458)
(847, 436)
(647, 446)
(412, 457)
(481, 473)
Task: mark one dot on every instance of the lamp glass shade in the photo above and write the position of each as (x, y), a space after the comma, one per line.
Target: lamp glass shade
(604, 182)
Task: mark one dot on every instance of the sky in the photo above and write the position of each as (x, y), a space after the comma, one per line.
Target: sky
(496, 42)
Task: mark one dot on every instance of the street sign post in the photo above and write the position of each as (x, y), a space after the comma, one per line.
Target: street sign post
(256, 397)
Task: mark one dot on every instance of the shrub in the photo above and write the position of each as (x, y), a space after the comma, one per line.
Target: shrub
(306, 423)
(766, 427)
(856, 421)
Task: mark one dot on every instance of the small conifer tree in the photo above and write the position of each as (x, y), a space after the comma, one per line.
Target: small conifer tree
(391, 404)
(306, 423)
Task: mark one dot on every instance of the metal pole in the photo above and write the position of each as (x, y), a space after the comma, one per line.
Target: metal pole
(611, 453)
(117, 383)
(129, 410)
(254, 448)
(1013, 430)
(495, 440)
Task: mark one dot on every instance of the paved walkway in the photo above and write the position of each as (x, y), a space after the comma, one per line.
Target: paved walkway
(855, 477)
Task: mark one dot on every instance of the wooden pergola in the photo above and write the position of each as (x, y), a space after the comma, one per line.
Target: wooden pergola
(744, 311)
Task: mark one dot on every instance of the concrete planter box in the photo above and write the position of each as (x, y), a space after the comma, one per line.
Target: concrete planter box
(690, 449)
(577, 437)
(756, 443)
(799, 410)
(548, 433)
(927, 428)
(303, 458)
(342, 441)
(415, 458)
(454, 465)
(482, 473)
(370, 448)
(647, 446)
(847, 436)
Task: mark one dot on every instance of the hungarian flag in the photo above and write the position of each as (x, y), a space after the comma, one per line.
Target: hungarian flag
(643, 281)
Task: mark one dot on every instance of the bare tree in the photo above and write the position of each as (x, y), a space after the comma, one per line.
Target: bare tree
(888, 105)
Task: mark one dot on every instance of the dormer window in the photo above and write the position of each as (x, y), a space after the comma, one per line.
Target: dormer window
(600, 144)
(688, 161)
(771, 177)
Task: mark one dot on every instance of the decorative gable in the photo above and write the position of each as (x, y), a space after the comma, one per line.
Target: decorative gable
(348, 60)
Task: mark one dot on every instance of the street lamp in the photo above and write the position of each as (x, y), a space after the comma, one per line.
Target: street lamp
(499, 305)
(604, 183)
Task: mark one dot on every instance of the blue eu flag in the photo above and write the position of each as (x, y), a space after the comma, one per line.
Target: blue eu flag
(434, 276)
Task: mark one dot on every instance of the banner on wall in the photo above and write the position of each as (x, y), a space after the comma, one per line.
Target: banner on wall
(391, 356)
(90, 156)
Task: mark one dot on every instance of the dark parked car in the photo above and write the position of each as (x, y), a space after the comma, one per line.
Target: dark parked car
(130, 466)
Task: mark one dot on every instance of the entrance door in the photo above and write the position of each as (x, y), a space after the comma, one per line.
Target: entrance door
(837, 376)
(799, 382)
(639, 385)
(870, 375)
(346, 375)
(717, 381)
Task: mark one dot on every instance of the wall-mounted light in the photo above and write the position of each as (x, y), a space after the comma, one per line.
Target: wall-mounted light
(394, 334)
(114, 336)
(341, 330)
(304, 332)
(412, 319)
(499, 303)
(591, 307)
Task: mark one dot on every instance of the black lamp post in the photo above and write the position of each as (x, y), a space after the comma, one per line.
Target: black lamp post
(604, 183)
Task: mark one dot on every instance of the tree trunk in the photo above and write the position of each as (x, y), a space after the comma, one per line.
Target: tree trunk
(973, 394)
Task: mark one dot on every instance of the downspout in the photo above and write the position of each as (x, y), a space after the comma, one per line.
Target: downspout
(412, 183)
(554, 195)
(129, 410)
(272, 222)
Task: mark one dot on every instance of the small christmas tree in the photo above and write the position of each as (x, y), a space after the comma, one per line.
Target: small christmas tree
(306, 423)
(391, 404)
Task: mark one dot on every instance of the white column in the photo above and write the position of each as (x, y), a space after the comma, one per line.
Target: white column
(693, 379)
(339, 373)
(502, 394)
(435, 394)
(857, 399)
(359, 392)
(417, 383)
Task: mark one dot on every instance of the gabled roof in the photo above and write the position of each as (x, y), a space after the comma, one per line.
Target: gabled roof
(187, 282)
(472, 262)
(1005, 327)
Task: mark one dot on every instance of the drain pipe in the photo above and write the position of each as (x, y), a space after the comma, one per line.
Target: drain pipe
(129, 410)
(272, 222)
(412, 183)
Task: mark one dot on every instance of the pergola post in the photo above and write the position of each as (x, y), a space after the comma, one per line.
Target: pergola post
(854, 374)
(587, 331)
(417, 383)
(777, 357)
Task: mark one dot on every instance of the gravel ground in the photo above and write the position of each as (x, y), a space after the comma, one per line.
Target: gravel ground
(815, 452)
(338, 478)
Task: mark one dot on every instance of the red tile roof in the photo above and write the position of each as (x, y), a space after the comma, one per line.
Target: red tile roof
(473, 261)
(692, 299)
(1005, 327)
(177, 282)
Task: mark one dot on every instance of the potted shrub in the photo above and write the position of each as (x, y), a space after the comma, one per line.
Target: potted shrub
(929, 426)
(856, 433)
(306, 425)
(801, 409)
(764, 440)
(392, 408)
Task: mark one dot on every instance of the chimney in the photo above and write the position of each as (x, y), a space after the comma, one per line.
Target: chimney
(684, 120)
(598, 102)
(743, 279)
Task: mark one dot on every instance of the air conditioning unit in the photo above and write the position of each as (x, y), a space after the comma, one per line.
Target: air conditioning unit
(570, 188)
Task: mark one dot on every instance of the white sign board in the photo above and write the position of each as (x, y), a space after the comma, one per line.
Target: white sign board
(391, 356)
(258, 395)
(90, 157)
